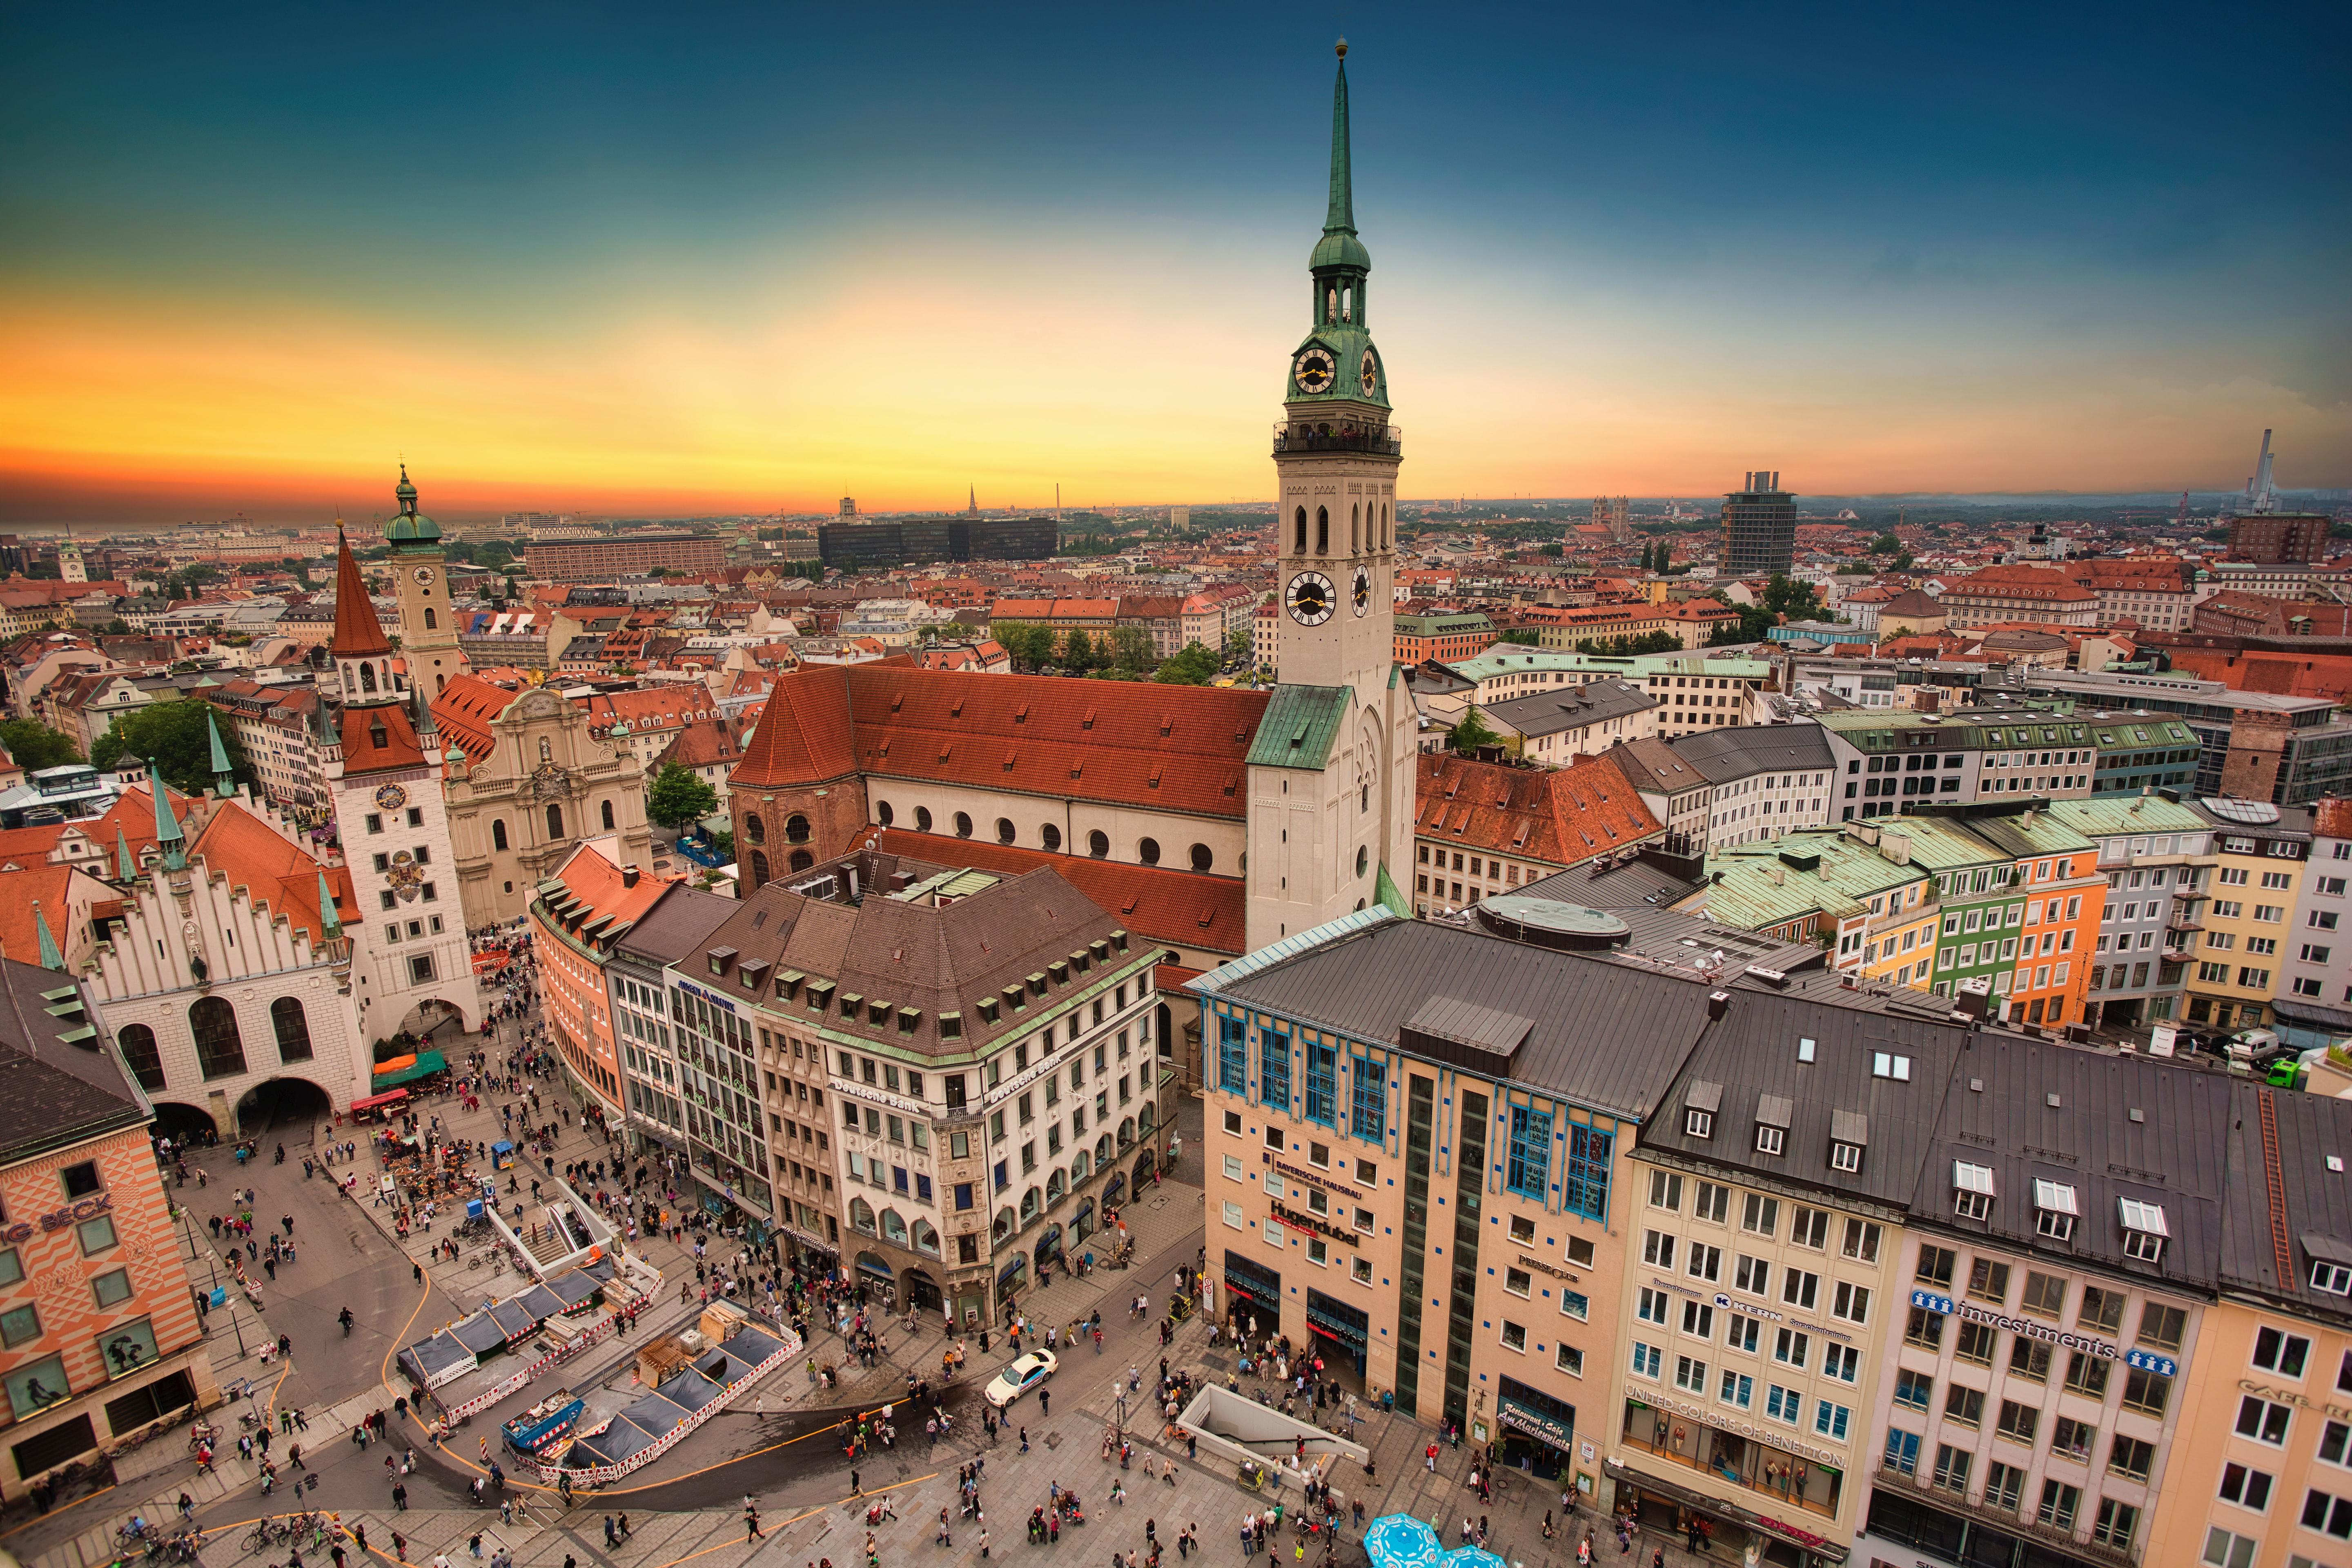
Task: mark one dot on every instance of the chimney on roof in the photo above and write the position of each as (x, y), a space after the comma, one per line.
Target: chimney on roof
(629, 876)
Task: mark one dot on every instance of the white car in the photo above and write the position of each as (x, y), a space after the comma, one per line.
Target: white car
(1025, 1374)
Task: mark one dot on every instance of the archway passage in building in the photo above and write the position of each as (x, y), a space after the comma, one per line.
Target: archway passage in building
(922, 1293)
(1145, 1164)
(435, 1024)
(876, 1276)
(183, 1123)
(282, 1104)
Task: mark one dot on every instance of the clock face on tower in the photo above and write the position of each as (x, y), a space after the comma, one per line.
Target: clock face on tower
(1315, 370)
(1312, 598)
(1361, 595)
(424, 576)
(391, 797)
(1372, 373)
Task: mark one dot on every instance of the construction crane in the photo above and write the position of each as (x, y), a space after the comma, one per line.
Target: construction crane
(2181, 516)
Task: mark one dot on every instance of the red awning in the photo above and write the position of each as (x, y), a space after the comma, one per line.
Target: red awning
(387, 1098)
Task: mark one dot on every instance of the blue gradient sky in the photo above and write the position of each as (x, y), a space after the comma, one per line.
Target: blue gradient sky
(587, 258)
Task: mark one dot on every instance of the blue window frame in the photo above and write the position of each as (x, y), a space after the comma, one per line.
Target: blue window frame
(1902, 1451)
(1322, 1083)
(1003, 1177)
(1368, 1109)
(1233, 1055)
(1274, 1067)
(1529, 1164)
(1586, 1191)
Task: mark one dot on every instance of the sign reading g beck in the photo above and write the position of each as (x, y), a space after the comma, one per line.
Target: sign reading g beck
(89, 1208)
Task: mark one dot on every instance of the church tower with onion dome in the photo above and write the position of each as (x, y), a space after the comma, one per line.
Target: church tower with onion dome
(413, 967)
(428, 631)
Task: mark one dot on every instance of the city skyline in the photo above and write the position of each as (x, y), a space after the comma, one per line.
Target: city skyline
(249, 269)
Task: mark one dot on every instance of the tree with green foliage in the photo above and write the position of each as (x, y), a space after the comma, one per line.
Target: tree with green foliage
(1079, 653)
(1522, 637)
(35, 745)
(812, 570)
(117, 627)
(1472, 732)
(1787, 598)
(1885, 544)
(1193, 664)
(177, 736)
(1626, 647)
(679, 796)
(1237, 646)
(1027, 644)
(1130, 650)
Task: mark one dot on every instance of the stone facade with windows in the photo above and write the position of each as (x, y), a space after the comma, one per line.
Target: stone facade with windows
(2155, 853)
(2052, 1287)
(968, 1058)
(2243, 954)
(1772, 1195)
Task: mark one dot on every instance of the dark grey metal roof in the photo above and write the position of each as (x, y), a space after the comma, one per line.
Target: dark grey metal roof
(678, 923)
(1723, 756)
(1570, 707)
(1376, 983)
(1753, 1054)
(1468, 1024)
(1631, 884)
(2270, 1254)
(2112, 1126)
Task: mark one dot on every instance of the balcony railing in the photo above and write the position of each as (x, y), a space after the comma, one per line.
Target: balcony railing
(1338, 436)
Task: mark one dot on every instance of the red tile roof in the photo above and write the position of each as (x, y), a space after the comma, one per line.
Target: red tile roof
(1185, 908)
(1176, 748)
(47, 886)
(1561, 816)
(464, 710)
(364, 753)
(358, 634)
(252, 854)
(804, 735)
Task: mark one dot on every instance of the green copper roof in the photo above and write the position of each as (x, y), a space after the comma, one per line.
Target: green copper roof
(1298, 727)
(126, 868)
(2107, 816)
(1390, 896)
(220, 754)
(50, 957)
(168, 836)
(330, 917)
(411, 527)
(1339, 246)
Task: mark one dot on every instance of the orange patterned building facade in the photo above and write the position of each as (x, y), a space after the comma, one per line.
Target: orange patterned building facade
(99, 1337)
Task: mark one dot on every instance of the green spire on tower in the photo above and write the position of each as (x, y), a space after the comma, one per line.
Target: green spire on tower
(221, 785)
(1339, 246)
(50, 957)
(1342, 215)
(168, 836)
(126, 868)
(329, 915)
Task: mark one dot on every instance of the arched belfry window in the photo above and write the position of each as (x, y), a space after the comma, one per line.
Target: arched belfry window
(367, 677)
(1347, 304)
(1300, 548)
(1355, 527)
(1331, 304)
(1322, 531)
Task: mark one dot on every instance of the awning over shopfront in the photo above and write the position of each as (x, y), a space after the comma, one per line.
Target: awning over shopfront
(376, 1102)
(425, 1064)
(1535, 1423)
(1796, 1536)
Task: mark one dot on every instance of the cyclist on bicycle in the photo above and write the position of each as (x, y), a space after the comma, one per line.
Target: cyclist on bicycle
(345, 1318)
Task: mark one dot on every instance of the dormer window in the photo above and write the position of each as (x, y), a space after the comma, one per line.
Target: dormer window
(1972, 1190)
(1774, 1112)
(2145, 1231)
(988, 1010)
(2056, 1210)
(1846, 1157)
(1771, 1140)
(1700, 1107)
(1885, 1064)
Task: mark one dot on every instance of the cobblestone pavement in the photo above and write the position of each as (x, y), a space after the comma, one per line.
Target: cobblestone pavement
(779, 1448)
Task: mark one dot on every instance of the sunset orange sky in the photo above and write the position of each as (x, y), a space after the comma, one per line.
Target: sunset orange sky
(637, 275)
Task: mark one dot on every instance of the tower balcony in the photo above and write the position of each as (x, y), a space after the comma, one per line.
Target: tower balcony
(1338, 436)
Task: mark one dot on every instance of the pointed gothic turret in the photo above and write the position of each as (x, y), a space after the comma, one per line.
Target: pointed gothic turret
(329, 916)
(168, 836)
(126, 868)
(358, 633)
(221, 782)
(50, 957)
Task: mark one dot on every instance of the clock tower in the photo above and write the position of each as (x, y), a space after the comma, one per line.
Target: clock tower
(428, 637)
(1331, 773)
